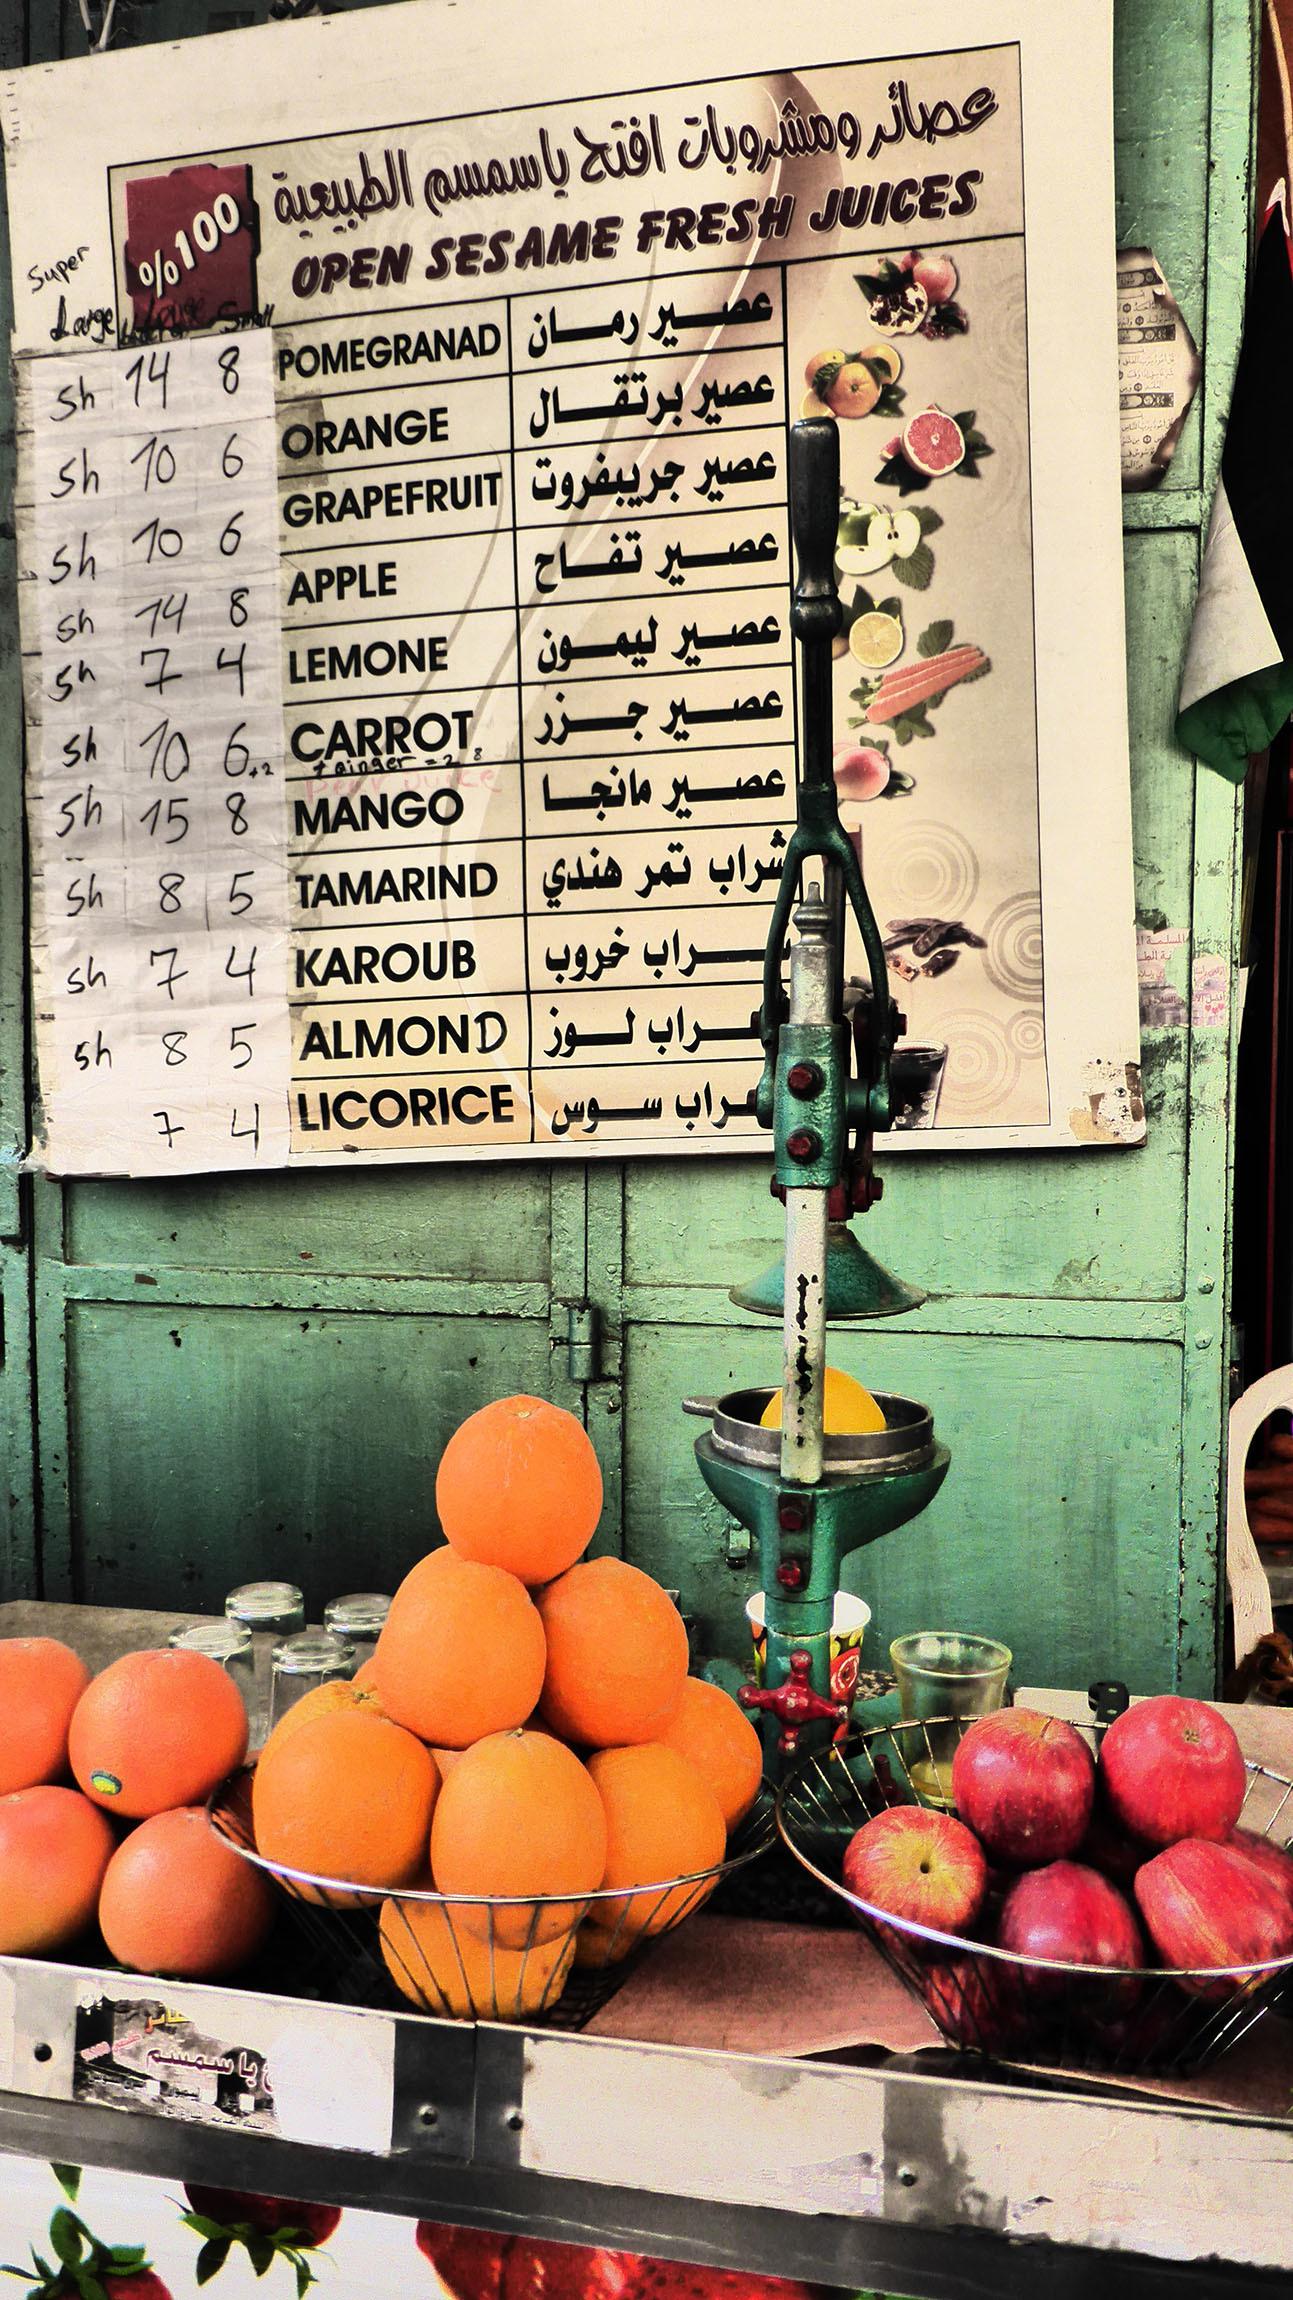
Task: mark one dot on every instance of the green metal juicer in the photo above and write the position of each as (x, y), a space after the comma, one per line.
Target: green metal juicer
(808, 1499)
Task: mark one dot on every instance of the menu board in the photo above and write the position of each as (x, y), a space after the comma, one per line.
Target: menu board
(413, 726)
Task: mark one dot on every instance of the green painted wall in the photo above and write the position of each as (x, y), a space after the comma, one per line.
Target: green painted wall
(204, 1380)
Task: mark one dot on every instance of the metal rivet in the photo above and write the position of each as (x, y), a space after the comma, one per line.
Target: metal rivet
(515, 2120)
(1207, 1285)
(908, 2175)
(1203, 1341)
(427, 2114)
(42, 2052)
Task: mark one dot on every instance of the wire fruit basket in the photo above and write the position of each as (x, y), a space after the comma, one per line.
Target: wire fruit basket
(552, 1962)
(991, 2001)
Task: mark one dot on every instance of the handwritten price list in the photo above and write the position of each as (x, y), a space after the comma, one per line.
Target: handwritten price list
(152, 643)
(540, 713)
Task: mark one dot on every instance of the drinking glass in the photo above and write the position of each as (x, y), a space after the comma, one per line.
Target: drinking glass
(358, 1620)
(228, 1643)
(313, 1658)
(942, 1673)
(271, 1610)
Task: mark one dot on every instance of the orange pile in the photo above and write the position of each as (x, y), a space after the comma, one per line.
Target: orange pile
(525, 1737)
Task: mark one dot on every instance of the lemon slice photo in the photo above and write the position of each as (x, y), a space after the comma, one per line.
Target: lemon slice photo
(876, 640)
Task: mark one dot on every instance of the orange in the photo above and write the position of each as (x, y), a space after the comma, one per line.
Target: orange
(41, 1682)
(438, 1963)
(596, 1947)
(156, 1730)
(662, 1821)
(461, 1653)
(713, 1732)
(338, 1693)
(519, 1486)
(617, 1654)
(349, 1797)
(54, 1848)
(519, 1815)
(178, 1900)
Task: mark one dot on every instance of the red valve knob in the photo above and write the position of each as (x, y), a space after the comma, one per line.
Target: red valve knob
(795, 1702)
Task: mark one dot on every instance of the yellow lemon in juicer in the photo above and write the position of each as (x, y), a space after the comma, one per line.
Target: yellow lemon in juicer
(848, 1409)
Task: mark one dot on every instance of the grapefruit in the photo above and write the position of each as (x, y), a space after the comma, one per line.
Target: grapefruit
(156, 1730)
(933, 442)
(177, 1899)
(55, 1847)
(41, 1682)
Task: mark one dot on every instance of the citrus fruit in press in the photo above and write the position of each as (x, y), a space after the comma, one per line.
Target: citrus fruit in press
(349, 1796)
(520, 1817)
(662, 1821)
(54, 1849)
(848, 1409)
(875, 639)
(519, 1485)
(437, 1962)
(617, 1654)
(854, 391)
(461, 1653)
(337, 1695)
(155, 1730)
(41, 1681)
(713, 1733)
(933, 442)
(178, 1900)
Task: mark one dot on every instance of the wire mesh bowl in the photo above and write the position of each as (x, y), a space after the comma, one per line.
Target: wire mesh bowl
(552, 1962)
(988, 2000)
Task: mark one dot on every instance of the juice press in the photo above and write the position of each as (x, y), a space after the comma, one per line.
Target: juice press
(807, 1498)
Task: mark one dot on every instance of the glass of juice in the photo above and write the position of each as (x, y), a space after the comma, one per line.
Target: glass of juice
(945, 1677)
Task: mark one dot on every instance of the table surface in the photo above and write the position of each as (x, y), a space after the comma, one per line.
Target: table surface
(920, 2175)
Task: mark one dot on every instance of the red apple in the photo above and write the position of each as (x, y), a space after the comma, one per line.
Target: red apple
(1270, 1859)
(1025, 1784)
(919, 1864)
(1208, 1904)
(1108, 1848)
(1069, 1915)
(976, 2002)
(1172, 1768)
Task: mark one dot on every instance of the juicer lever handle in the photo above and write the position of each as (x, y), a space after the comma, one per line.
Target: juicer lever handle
(815, 611)
(703, 1408)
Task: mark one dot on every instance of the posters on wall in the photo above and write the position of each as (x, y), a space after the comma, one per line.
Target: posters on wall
(411, 702)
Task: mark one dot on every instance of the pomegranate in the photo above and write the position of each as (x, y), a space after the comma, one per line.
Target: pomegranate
(1172, 1768)
(937, 275)
(1069, 1915)
(1209, 1904)
(268, 2227)
(1025, 1784)
(918, 1864)
(861, 771)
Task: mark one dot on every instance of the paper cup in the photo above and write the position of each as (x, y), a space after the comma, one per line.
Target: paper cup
(848, 1624)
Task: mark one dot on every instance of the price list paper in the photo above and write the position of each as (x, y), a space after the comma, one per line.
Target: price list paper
(516, 746)
(155, 775)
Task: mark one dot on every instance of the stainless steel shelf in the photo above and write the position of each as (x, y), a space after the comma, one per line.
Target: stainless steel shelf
(888, 2175)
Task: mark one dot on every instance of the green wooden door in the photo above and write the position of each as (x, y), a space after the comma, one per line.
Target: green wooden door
(205, 1380)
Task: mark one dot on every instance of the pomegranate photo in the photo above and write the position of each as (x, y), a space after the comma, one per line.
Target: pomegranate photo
(1068, 1915)
(1170, 1768)
(918, 1864)
(1209, 1904)
(1025, 1784)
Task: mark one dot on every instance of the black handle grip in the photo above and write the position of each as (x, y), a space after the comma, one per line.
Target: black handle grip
(815, 612)
(1108, 1697)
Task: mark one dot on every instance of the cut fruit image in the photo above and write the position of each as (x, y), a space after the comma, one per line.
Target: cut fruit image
(861, 772)
(811, 406)
(885, 356)
(876, 640)
(899, 309)
(933, 442)
(855, 521)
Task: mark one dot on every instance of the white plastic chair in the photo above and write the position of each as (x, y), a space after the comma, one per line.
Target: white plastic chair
(1250, 1591)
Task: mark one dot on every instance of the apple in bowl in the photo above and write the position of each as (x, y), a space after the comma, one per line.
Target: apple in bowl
(918, 1864)
(1025, 1784)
